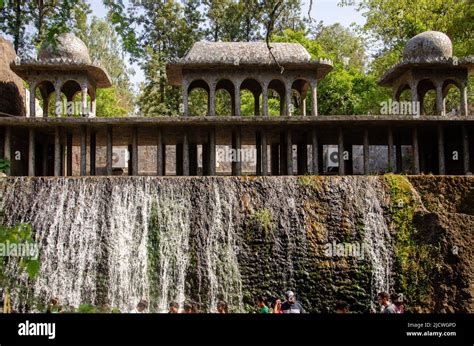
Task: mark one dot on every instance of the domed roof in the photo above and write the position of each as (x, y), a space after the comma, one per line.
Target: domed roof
(428, 45)
(68, 46)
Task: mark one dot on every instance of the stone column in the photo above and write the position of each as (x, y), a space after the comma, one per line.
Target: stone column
(45, 106)
(212, 99)
(58, 107)
(282, 103)
(302, 157)
(130, 160)
(464, 100)
(185, 99)
(416, 152)
(83, 170)
(92, 152)
(57, 151)
(45, 158)
(264, 165)
(94, 104)
(258, 149)
(441, 159)
(366, 152)
(193, 159)
(303, 105)
(109, 151)
(465, 148)
(31, 152)
(314, 97)
(212, 152)
(274, 159)
(439, 99)
(340, 139)
(7, 148)
(390, 150)
(265, 100)
(237, 98)
(159, 153)
(185, 154)
(134, 151)
(85, 111)
(415, 99)
(315, 153)
(288, 103)
(256, 103)
(283, 156)
(289, 153)
(236, 145)
(398, 154)
(69, 153)
(32, 99)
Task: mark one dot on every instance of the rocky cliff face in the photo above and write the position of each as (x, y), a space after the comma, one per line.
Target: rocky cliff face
(111, 241)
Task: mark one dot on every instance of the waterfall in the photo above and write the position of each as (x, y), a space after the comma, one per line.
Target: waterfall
(377, 238)
(112, 241)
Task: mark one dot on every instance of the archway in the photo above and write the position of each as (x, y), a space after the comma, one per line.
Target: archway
(43, 92)
(451, 97)
(225, 104)
(73, 103)
(250, 91)
(427, 97)
(276, 98)
(299, 91)
(198, 98)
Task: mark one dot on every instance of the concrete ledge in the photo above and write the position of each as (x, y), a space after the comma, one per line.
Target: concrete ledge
(232, 120)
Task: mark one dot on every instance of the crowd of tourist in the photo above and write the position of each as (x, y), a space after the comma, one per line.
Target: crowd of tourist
(389, 304)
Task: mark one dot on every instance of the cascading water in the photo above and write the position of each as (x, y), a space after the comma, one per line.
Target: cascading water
(112, 241)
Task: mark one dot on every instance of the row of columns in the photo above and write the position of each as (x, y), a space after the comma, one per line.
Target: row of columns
(57, 89)
(285, 100)
(440, 99)
(281, 154)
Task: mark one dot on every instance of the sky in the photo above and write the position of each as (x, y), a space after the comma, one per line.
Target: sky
(322, 10)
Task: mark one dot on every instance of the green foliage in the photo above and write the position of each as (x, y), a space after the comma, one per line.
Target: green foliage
(395, 22)
(262, 219)
(4, 165)
(18, 234)
(86, 309)
(341, 45)
(106, 48)
(413, 258)
(31, 23)
(109, 103)
(14, 269)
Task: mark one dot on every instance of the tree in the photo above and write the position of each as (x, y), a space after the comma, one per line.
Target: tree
(167, 29)
(342, 45)
(49, 18)
(394, 22)
(14, 15)
(105, 47)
